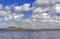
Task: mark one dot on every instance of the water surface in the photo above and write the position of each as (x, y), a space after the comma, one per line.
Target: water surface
(40, 34)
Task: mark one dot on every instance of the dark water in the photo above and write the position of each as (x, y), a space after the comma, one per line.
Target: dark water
(42, 34)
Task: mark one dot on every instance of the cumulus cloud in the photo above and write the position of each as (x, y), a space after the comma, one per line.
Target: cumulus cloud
(4, 13)
(13, 17)
(7, 8)
(18, 16)
(43, 16)
(41, 1)
(57, 7)
(18, 8)
(7, 15)
(25, 7)
(37, 10)
(1, 6)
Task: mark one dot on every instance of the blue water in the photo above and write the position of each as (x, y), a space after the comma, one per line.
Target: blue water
(42, 34)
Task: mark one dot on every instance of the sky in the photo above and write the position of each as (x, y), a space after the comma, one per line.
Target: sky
(30, 13)
(17, 3)
(11, 4)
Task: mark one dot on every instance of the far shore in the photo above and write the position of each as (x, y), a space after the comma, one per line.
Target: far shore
(18, 28)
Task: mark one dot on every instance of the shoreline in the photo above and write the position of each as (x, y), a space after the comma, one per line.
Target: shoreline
(18, 28)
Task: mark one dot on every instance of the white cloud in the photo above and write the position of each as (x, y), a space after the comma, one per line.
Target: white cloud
(18, 8)
(7, 7)
(13, 17)
(37, 10)
(42, 1)
(27, 20)
(18, 16)
(1, 6)
(25, 7)
(57, 8)
(6, 25)
(38, 3)
(1, 19)
(6, 15)
(39, 18)
(45, 15)
(7, 18)
(3, 12)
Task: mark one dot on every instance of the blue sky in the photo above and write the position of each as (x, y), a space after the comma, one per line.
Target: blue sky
(17, 2)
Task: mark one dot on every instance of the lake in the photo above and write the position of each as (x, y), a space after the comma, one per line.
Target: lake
(25, 34)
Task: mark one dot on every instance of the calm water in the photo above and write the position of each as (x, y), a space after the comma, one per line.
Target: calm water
(4, 34)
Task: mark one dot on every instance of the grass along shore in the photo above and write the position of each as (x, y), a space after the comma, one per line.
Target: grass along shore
(19, 28)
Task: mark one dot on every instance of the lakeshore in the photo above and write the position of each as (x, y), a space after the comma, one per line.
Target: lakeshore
(19, 28)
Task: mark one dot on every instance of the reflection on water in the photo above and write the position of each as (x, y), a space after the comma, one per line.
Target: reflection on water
(29, 34)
